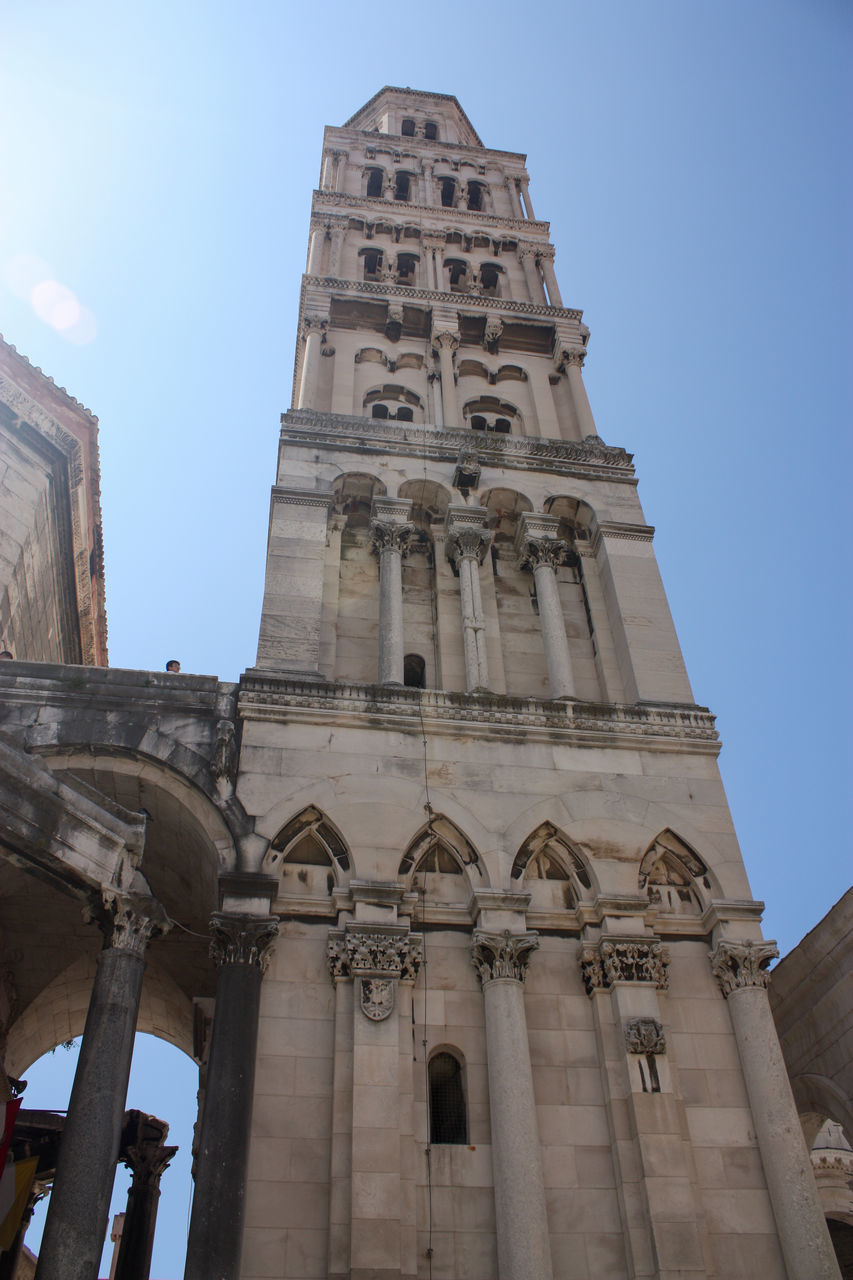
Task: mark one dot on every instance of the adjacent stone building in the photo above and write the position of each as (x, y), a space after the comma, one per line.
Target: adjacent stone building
(487, 978)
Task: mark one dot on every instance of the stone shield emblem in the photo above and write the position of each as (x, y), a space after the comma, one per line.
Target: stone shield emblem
(377, 998)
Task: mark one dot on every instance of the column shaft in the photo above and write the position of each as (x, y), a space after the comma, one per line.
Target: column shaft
(473, 623)
(531, 274)
(554, 296)
(580, 400)
(448, 386)
(79, 1203)
(310, 365)
(525, 191)
(560, 677)
(390, 616)
(515, 202)
(315, 251)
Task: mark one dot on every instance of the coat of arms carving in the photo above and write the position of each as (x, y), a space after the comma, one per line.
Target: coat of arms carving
(377, 998)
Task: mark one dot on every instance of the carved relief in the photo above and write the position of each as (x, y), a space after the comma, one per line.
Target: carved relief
(492, 334)
(644, 1035)
(242, 939)
(377, 998)
(502, 955)
(366, 953)
(129, 922)
(467, 541)
(623, 960)
(536, 551)
(737, 965)
(223, 763)
(388, 535)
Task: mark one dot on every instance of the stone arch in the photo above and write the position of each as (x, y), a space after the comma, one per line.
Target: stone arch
(673, 876)
(354, 492)
(393, 400)
(818, 1099)
(504, 507)
(309, 855)
(551, 870)
(430, 500)
(442, 854)
(577, 518)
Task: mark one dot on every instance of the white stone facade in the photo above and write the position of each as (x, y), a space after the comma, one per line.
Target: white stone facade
(497, 825)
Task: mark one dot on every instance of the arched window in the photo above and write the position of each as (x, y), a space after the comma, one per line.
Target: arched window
(379, 411)
(393, 401)
(408, 129)
(403, 186)
(458, 272)
(490, 280)
(414, 667)
(488, 413)
(448, 192)
(405, 414)
(448, 1114)
(476, 195)
(372, 263)
(406, 268)
(374, 183)
(431, 131)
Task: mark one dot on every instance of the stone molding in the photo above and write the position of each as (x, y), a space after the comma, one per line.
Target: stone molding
(372, 952)
(459, 301)
(611, 530)
(613, 960)
(644, 1035)
(301, 498)
(590, 458)
(246, 940)
(273, 696)
(325, 196)
(502, 955)
(738, 965)
(129, 921)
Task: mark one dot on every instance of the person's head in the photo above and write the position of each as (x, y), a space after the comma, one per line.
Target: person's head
(173, 665)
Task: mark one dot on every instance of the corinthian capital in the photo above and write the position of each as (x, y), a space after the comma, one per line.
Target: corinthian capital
(467, 542)
(527, 251)
(446, 339)
(369, 953)
(536, 551)
(623, 960)
(129, 921)
(502, 955)
(244, 940)
(736, 965)
(388, 535)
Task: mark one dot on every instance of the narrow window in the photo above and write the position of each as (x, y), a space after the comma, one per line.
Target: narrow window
(502, 424)
(431, 131)
(448, 192)
(408, 129)
(404, 414)
(374, 183)
(478, 423)
(406, 268)
(448, 1119)
(402, 186)
(489, 281)
(372, 264)
(458, 274)
(475, 195)
(379, 411)
(414, 667)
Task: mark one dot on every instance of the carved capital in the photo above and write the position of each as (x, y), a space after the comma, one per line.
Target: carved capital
(737, 965)
(433, 240)
(613, 960)
(314, 324)
(129, 921)
(492, 334)
(446, 339)
(567, 357)
(242, 939)
(388, 535)
(467, 542)
(527, 251)
(502, 955)
(644, 1035)
(368, 953)
(536, 551)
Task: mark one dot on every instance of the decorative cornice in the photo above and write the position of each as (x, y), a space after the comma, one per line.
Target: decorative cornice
(610, 530)
(613, 960)
(246, 940)
(644, 1035)
(502, 955)
(279, 697)
(738, 965)
(461, 301)
(591, 457)
(301, 498)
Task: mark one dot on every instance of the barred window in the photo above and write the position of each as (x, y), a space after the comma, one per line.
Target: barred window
(448, 1115)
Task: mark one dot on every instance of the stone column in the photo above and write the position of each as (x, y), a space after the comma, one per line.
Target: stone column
(527, 258)
(314, 334)
(466, 544)
(144, 1153)
(326, 177)
(546, 262)
(515, 202)
(741, 970)
(79, 1203)
(538, 548)
(390, 533)
(525, 192)
(315, 250)
(337, 246)
(433, 247)
(447, 344)
(520, 1212)
(377, 959)
(573, 364)
(240, 949)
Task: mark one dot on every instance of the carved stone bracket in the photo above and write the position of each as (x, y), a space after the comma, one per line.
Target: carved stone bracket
(614, 960)
(736, 965)
(644, 1035)
(388, 535)
(502, 955)
(492, 334)
(467, 473)
(242, 939)
(369, 953)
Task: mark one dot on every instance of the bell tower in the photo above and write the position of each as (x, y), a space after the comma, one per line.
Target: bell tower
(516, 1023)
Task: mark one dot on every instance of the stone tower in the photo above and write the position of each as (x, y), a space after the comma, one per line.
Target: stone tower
(516, 1022)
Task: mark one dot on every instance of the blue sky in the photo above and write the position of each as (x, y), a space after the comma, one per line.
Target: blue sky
(693, 160)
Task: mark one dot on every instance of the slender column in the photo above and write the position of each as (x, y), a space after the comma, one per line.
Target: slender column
(574, 363)
(538, 548)
(144, 1153)
(447, 344)
(546, 262)
(390, 533)
(515, 202)
(527, 258)
(314, 335)
(433, 247)
(337, 246)
(525, 192)
(80, 1200)
(741, 970)
(240, 949)
(326, 179)
(315, 250)
(341, 158)
(520, 1211)
(467, 542)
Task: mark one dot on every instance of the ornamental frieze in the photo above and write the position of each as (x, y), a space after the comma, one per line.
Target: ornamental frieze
(624, 960)
(369, 953)
(737, 965)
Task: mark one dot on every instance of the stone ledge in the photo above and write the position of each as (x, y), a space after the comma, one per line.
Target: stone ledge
(665, 726)
(458, 301)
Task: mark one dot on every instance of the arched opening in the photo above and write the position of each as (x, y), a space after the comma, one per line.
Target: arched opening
(448, 1113)
(448, 192)
(407, 264)
(673, 875)
(490, 280)
(476, 195)
(393, 401)
(353, 496)
(552, 872)
(407, 129)
(457, 274)
(403, 186)
(431, 131)
(375, 181)
(310, 858)
(371, 264)
(488, 413)
(414, 671)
